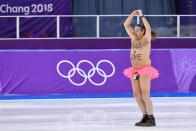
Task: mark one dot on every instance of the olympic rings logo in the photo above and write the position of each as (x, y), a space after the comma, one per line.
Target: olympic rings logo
(86, 76)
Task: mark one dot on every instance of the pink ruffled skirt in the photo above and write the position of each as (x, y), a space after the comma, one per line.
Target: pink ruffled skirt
(129, 72)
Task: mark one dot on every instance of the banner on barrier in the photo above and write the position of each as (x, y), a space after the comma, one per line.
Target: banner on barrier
(85, 72)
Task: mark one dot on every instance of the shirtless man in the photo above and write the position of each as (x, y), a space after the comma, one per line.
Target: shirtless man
(141, 73)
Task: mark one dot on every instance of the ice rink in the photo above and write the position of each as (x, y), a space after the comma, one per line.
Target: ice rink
(95, 114)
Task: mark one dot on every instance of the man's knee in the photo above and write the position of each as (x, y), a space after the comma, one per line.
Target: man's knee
(137, 96)
(145, 94)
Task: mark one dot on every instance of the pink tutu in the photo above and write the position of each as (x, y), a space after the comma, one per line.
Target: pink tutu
(129, 72)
